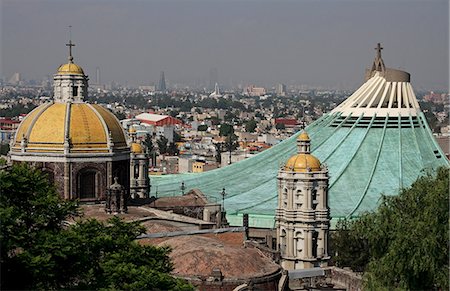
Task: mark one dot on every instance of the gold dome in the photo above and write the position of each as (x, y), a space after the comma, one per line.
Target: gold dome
(301, 162)
(303, 137)
(91, 129)
(70, 69)
(136, 148)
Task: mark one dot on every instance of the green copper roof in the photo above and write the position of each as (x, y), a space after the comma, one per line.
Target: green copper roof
(375, 142)
(365, 156)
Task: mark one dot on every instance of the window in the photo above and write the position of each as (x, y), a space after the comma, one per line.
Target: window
(75, 91)
(88, 183)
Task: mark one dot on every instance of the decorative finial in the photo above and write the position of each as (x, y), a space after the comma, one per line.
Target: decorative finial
(70, 44)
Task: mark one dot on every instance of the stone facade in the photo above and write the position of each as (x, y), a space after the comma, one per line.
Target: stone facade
(80, 146)
(302, 216)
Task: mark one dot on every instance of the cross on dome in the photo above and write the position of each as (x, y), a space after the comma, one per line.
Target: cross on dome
(379, 48)
(70, 44)
(378, 64)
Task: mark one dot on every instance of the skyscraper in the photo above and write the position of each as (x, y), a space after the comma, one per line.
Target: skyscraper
(213, 78)
(97, 76)
(162, 82)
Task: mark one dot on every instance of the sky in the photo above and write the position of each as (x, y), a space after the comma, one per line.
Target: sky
(325, 43)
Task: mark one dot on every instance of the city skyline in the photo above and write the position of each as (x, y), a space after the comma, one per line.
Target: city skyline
(269, 42)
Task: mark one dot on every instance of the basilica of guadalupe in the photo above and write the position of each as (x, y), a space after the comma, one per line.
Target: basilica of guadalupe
(377, 140)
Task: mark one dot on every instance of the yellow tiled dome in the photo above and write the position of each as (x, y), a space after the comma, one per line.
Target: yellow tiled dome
(303, 136)
(136, 148)
(70, 69)
(90, 128)
(301, 162)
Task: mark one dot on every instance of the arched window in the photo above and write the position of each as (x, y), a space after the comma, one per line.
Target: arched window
(282, 241)
(299, 198)
(299, 243)
(285, 196)
(315, 236)
(88, 183)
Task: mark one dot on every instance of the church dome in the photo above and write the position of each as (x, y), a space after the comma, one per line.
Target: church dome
(70, 69)
(136, 148)
(303, 137)
(302, 162)
(76, 127)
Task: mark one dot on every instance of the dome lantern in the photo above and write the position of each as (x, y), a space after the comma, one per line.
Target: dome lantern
(70, 83)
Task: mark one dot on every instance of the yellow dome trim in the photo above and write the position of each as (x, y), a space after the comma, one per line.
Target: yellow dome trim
(136, 148)
(301, 163)
(70, 69)
(303, 137)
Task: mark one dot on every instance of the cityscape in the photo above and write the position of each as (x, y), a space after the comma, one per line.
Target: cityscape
(188, 164)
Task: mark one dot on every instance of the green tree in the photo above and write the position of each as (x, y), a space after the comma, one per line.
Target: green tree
(173, 149)
(4, 149)
(280, 126)
(407, 237)
(219, 149)
(250, 126)
(226, 129)
(148, 142)
(202, 127)
(162, 145)
(176, 136)
(39, 251)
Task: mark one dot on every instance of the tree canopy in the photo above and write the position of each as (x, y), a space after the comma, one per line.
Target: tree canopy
(41, 251)
(162, 145)
(250, 125)
(404, 244)
(226, 129)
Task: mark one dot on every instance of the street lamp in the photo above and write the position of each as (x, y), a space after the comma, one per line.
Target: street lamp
(182, 188)
(223, 198)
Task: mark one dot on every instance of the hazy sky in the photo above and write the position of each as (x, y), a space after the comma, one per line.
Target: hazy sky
(313, 42)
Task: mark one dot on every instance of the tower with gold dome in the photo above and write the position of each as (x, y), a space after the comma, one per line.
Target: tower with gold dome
(81, 146)
(302, 217)
(139, 180)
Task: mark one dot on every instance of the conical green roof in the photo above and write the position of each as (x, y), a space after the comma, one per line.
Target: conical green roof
(376, 142)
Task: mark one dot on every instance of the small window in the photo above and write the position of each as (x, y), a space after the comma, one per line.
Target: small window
(74, 91)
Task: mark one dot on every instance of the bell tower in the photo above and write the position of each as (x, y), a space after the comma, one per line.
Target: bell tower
(302, 216)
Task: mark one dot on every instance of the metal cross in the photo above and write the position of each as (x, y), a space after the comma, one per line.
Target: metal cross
(379, 48)
(70, 44)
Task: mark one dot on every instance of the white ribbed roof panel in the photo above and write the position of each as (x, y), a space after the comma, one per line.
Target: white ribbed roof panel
(381, 98)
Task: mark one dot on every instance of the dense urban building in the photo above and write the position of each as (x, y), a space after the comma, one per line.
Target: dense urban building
(375, 142)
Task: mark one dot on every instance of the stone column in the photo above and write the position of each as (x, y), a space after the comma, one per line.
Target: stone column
(308, 198)
(67, 190)
(109, 174)
(321, 243)
(141, 171)
(291, 242)
(308, 243)
(132, 163)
